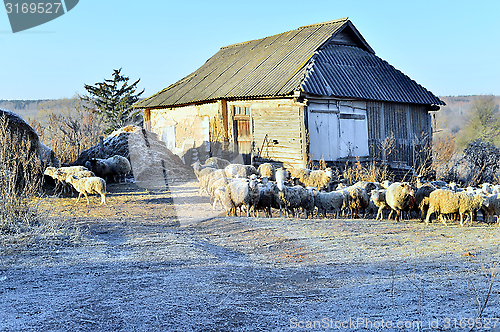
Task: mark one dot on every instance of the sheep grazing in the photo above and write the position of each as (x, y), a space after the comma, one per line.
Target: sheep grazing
(60, 174)
(379, 200)
(243, 193)
(240, 171)
(267, 170)
(90, 185)
(312, 178)
(219, 163)
(398, 197)
(442, 201)
(326, 202)
(114, 168)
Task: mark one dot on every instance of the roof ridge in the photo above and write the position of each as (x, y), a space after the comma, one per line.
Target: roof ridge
(325, 23)
(299, 28)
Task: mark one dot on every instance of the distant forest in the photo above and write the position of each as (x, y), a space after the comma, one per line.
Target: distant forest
(38, 109)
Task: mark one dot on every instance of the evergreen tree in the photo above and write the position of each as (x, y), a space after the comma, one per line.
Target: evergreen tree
(112, 100)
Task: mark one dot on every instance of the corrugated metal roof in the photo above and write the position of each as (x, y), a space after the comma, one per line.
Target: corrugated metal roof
(277, 66)
(345, 71)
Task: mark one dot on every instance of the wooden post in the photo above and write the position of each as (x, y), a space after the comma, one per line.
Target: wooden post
(101, 147)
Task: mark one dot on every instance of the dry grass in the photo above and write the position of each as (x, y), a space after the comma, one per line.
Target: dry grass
(22, 220)
(70, 133)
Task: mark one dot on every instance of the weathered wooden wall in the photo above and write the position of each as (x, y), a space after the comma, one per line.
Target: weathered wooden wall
(399, 133)
(276, 125)
(278, 131)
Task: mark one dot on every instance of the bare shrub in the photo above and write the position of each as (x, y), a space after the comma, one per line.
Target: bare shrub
(371, 172)
(70, 133)
(22, 219)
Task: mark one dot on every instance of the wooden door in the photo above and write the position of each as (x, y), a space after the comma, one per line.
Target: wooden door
(323, 135)
(243, 139)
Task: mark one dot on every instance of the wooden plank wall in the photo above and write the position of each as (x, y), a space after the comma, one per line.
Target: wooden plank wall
(278, 129)
(407, 125)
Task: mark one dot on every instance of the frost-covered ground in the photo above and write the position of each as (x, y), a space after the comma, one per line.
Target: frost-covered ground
(140, 269)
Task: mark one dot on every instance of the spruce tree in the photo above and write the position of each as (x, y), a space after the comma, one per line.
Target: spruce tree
(112, 100)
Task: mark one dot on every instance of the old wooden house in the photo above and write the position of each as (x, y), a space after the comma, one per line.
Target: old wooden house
(317, 92)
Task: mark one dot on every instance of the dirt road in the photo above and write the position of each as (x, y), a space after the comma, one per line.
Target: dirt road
(158, 260)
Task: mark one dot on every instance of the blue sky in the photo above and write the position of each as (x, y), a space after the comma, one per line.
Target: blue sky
(450, 47)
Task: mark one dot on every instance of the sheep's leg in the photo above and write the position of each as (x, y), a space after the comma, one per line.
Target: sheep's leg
(87, 197)
(461, 219)
(103, 199)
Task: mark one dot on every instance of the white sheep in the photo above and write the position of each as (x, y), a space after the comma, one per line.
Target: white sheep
(60, 174)
(379, 200)
(89, 185)
(442, 201)
(312, 178)
(492, 208)
(486, 188)
(218, 163)
(267, 170)
(206, 178)
(326, 202)
(240, 171)
(221, 195)
(198, 167)
(398, 196)
(114, 168)
(245, 194)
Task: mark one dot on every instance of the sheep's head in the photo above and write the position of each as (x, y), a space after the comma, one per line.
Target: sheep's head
(329, 173)
(407, 189)
(70, 179)
(253, 184)
(60, 175)
(481, 201)
(50, 171)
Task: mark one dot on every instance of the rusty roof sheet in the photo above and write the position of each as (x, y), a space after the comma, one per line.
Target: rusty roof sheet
(294, 60)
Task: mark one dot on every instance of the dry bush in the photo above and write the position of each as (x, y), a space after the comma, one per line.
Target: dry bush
(22, 219)
(371, 172)
(69, 133)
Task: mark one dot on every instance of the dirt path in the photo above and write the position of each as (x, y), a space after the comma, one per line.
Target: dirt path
(158, 260)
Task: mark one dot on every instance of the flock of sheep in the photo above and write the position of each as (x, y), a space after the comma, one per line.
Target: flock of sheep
(243, 187)
(239, 187)
(91, 178)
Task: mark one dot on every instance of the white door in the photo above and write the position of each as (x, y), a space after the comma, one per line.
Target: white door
(353, 135)
(323, 135)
